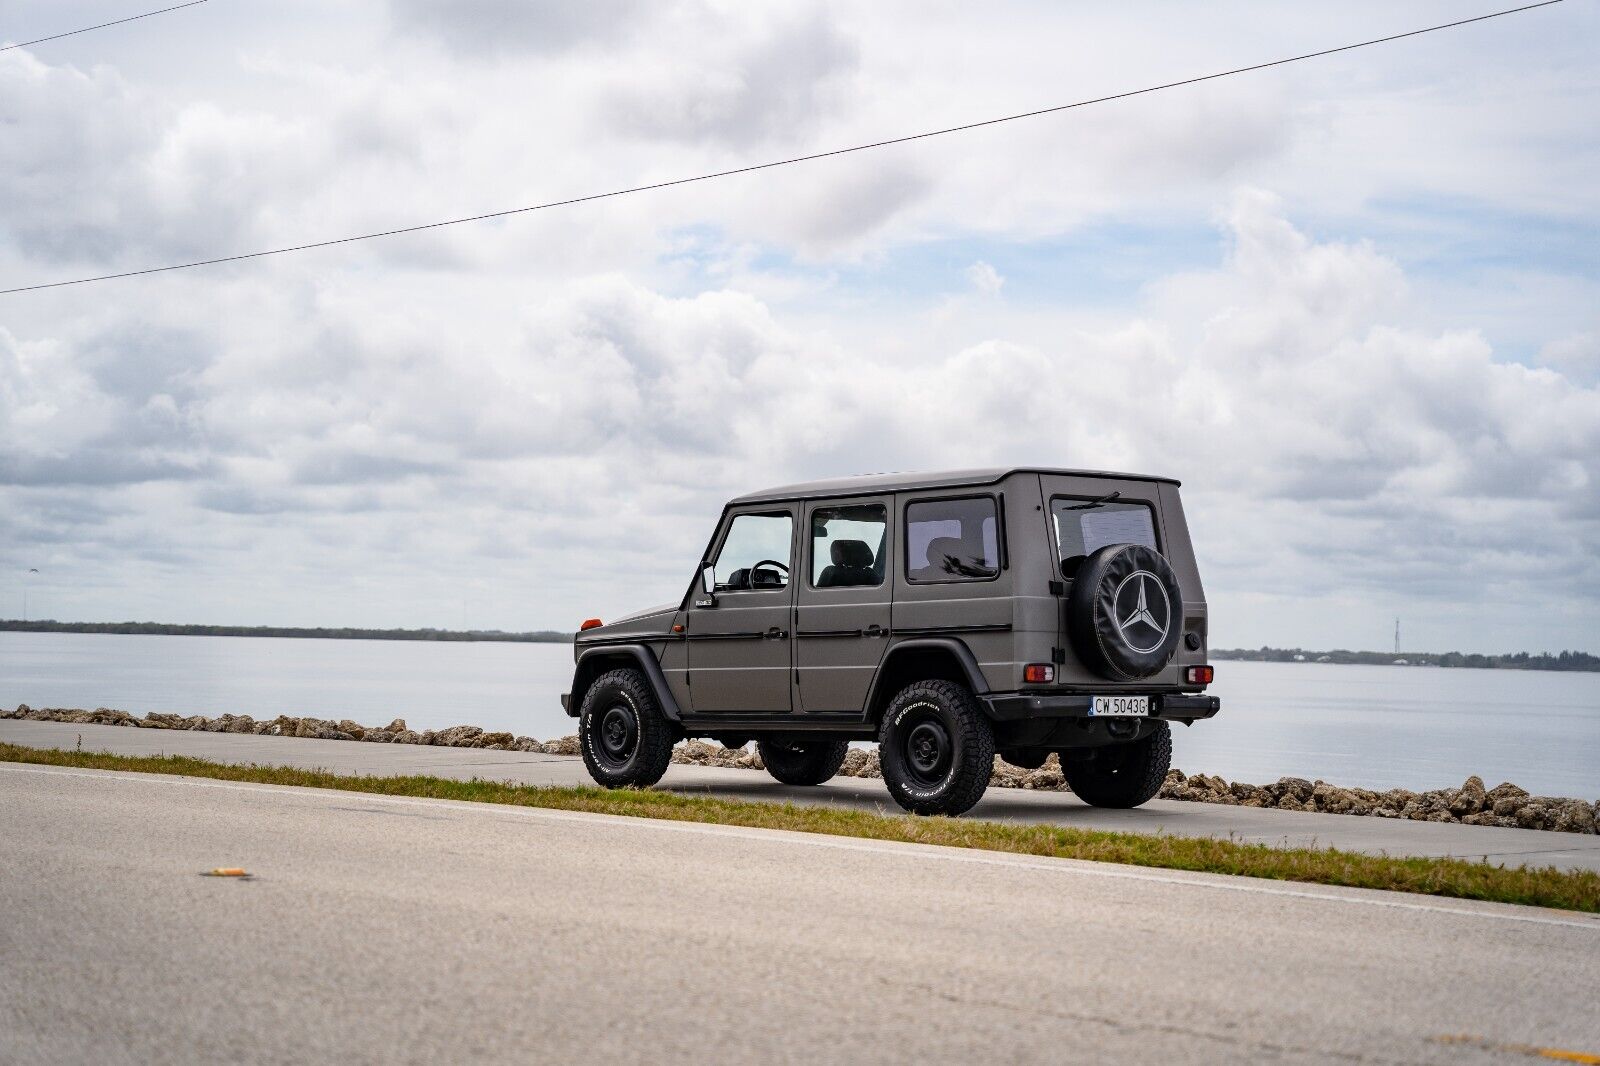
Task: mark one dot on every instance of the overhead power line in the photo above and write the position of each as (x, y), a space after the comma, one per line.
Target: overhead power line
(101, 26)
(772, 164)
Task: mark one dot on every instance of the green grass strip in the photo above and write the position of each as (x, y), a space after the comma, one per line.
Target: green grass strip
(1539, 887)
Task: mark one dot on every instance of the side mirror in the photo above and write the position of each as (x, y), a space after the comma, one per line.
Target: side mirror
(708, 586)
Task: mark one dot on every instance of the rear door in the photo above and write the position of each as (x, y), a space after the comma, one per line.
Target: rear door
(1088, 513)
(842, 605)
(740, 643)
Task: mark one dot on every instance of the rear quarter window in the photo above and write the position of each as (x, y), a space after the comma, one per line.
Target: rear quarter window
(952, 540)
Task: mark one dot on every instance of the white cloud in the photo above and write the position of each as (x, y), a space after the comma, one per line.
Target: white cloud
(985, 279)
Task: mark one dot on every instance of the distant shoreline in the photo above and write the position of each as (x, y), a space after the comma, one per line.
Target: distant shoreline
(168, 629)
(1565, 662)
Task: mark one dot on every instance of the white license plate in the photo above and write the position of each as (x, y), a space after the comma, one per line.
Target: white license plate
(1119, 707)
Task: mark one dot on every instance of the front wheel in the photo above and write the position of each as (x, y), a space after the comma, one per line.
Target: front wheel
(802, 763)
(1123, 775)
(936, 749)
(624, 737)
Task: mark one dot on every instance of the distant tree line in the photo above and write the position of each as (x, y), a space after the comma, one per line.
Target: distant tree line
(543, 636)
(1567, 660)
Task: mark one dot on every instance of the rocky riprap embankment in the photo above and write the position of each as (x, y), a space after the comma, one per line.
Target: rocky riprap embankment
(459, 736)
(1471, 804)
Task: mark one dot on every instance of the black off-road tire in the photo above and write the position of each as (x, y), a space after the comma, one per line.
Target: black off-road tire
(625, 739)
(805, 763)
(1122, 775)
(936, 748)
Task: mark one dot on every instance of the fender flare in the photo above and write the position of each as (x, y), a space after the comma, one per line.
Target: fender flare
(589, 666)
(949, 645)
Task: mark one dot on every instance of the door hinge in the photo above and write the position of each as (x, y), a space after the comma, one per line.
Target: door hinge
(1058, 655)
(797, 677)
(1058, 588)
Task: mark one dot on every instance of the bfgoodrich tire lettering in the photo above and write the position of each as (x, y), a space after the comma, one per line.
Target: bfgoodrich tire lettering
(936, 749)
(803, 763)
(1122, 775)
(1125, 612)
(625, 738)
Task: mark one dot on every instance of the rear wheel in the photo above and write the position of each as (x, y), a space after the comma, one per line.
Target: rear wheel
(804, 762)
(936, 749)
(1123, 775)
(625, 738)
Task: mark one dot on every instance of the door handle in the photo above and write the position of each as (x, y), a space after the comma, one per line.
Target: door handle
(875, 630)
(775, 634)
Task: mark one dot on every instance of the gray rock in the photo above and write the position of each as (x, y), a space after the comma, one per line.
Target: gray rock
(858, 763)
(408, 736)
(355, 729)
(457, 736)
(1574, 816)
(1297, 787)
(1470, 798)
(397, 726)
(1004, 775)
(562, 746)
(377, 736)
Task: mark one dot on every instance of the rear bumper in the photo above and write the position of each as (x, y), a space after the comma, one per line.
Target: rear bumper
(1020, 706)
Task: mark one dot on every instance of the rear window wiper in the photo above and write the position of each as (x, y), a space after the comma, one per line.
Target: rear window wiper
(1093, 503)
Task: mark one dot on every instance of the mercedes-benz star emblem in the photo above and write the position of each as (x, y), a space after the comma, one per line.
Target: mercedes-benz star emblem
(1142, 628)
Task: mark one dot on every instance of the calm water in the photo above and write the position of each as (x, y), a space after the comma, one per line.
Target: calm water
(1377, 726)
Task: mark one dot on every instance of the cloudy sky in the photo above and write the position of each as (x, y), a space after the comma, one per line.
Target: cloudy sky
(1354, 304)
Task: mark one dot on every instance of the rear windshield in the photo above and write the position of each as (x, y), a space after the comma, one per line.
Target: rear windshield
(1085, 526)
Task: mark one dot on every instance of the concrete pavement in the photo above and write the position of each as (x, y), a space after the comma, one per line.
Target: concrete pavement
(383, 929)
(1512, 847)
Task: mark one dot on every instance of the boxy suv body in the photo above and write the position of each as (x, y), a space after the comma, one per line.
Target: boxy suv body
(948, 616)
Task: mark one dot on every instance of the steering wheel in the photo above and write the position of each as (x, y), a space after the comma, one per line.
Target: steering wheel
(772, 563)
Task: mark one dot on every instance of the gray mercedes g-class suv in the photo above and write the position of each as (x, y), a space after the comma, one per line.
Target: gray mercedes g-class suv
(948, 616)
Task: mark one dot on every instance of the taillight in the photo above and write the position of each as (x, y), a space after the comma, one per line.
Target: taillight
(1038, 673)
(590, 623)
(1199, 675)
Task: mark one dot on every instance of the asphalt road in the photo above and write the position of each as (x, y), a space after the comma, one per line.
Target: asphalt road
(397, 930)
(1512, 847)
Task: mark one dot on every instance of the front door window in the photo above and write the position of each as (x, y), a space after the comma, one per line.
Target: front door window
(755, 553)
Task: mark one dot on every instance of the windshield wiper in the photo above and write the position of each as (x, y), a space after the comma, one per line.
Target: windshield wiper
(1093, 503)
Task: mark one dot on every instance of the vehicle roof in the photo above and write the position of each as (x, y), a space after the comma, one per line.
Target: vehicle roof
(870, 484)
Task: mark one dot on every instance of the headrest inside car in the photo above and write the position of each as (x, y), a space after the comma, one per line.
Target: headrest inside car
(942, 549)
(851, 553)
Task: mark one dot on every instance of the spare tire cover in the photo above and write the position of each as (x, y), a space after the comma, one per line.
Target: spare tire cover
(1125, 612)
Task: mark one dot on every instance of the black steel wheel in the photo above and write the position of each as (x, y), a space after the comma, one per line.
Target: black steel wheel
(624, 737)
(936, 748)
(802, 762)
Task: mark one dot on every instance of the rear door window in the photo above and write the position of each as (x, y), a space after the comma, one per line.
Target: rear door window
(952, 540)
(1085, 526)
(847, 546)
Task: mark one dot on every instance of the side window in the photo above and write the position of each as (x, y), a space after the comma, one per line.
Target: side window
(847, 546)
(952, 540)
(1085, 526)
(755, 553)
